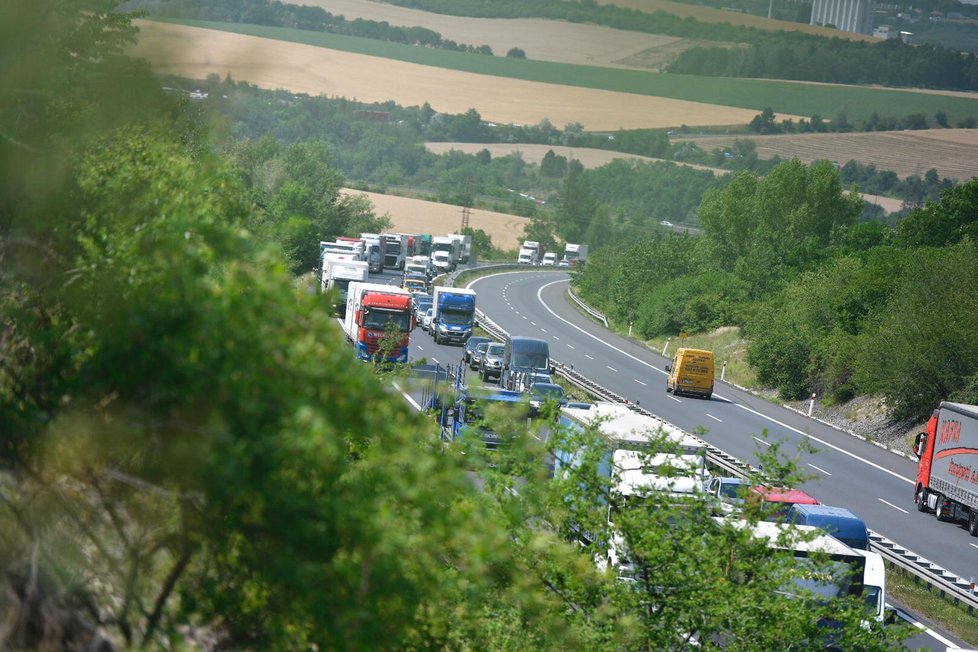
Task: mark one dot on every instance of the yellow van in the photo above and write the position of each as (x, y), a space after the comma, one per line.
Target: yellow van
(691, 373)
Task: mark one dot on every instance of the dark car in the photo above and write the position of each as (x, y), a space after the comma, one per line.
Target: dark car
(491, 364)
(476, 357)
(540, 393)
(470, 345)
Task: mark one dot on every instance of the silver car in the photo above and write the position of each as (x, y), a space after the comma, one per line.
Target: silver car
(475, 358)
(491, 364)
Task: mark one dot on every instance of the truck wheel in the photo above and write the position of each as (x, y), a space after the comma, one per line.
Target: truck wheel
(973, 524)
(921, 500)
(940, 511)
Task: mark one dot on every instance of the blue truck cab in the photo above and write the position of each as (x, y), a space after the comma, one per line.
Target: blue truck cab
(453, 314)
(474, 415)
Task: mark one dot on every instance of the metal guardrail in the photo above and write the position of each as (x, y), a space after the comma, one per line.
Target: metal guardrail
(586, 308)
(940, 578)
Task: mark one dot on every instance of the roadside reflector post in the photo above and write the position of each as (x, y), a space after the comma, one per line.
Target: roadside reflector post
(723, 371)
(666, 345)
(811, 405)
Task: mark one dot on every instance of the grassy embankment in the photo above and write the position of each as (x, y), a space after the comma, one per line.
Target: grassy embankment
(783, 97)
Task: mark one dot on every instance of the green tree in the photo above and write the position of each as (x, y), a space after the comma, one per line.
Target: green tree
(576, 204)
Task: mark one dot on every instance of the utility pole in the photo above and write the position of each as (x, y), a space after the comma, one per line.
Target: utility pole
(466, 213)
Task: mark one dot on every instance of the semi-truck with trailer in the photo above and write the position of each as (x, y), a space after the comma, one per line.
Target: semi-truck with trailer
(465, 247)
(376, 250)
(947, 469)
(447, 244)
(345, 248)
(575, 254)
(378, 319)
(338, 273)
(397, 250)
(453, 314)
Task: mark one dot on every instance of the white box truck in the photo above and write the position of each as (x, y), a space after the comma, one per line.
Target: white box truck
(338, 273)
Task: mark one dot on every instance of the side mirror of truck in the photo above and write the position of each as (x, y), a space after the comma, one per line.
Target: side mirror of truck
(890, 616)
(668, 368)
(917, 443)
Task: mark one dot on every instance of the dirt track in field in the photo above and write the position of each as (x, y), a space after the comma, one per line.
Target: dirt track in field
(194, 52)
(952, 152)
(419, 216)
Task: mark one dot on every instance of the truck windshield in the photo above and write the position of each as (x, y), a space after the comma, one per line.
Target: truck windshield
(531, 361)
(377, 320)
(455, 318)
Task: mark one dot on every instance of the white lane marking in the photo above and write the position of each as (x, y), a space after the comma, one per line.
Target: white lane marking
(713, 417)
(407, 397)
(761, 441)
(420, 348)
(435, 360)
(640, 382)
(533, 323)
(570, 346)
(555, 337)
(886, 502)
(910, 619)
(973, 544)
(544, 330)
(612, 368)
(673, 398)
(716, 396)
(591, 357)
(820, 470)
(523, 316)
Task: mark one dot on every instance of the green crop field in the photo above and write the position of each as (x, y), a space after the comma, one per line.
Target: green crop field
(791, 98)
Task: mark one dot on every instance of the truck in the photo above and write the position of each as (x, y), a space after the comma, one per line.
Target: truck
(345, 248)
(419, 265)
(838, 522)
(453, 314)
(376, 250)
(575, 254)
(947, 468)
(372, 310)
(527, 256)
(447, 244)
(441, 262)
(338, 273)
(397, 250)
(465, 247)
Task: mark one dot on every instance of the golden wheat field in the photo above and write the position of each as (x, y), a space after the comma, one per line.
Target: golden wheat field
(542, 40)
(419, 216)
(952, 152)
(195, 52)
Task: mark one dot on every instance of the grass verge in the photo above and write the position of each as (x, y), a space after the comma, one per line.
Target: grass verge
(942, 612)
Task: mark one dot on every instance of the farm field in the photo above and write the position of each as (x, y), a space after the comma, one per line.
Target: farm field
(542, 40)
(952, 152)
(420, 216)
(172, 50)
(593, 158)
(196, 52)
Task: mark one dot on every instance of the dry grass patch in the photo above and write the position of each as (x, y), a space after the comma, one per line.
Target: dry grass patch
(196, 52)
(952, 152)
(410, 215)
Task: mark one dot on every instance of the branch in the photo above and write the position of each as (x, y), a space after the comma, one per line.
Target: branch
(171, 580)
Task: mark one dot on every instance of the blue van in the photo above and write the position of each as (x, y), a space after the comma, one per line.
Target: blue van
(836, 521)
(522, 357)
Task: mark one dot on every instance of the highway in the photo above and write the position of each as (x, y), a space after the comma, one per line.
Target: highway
(845, 471)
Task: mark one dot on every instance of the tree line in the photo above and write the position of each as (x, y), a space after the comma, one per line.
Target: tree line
(829, 304)
(278, 14)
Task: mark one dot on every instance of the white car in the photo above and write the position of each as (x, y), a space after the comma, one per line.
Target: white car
(549, 259)
(426, 320)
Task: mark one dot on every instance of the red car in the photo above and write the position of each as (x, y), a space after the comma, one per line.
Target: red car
(777, 501)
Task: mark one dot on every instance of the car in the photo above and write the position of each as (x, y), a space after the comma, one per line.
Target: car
(540, 393)
(728, 492)
(528, 379)
(563, 263)
(549, 258)
(422, 304)
(477, 353)
(470, 345)
(415, 283)
(491, 364)
(426, 320)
